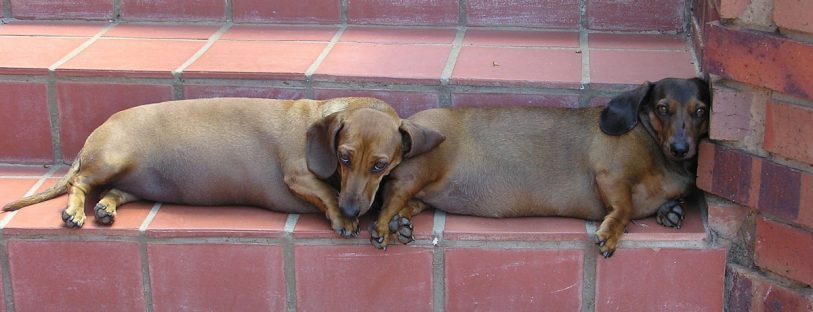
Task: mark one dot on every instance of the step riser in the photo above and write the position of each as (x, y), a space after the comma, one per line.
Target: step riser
(638, 15)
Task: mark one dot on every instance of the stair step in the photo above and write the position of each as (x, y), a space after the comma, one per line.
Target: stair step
(637, 15)
(222, 258)
(93, 69)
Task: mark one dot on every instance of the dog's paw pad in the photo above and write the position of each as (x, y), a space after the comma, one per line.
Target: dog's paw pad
(671, 214)
(102, 215)
(71, 221)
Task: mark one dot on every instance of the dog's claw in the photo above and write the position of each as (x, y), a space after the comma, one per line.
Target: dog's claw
(600, 243)
(69, 220)
(607, 254)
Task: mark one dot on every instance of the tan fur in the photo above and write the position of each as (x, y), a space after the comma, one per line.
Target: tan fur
(225, 151)
(522, 161)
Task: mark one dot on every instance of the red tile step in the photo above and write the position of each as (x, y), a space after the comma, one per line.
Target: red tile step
(169, 257)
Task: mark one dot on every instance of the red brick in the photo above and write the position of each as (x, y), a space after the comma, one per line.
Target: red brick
(648, 229)
(726, 218)
(158, 10)
(753, 291)
(793, 14)
(788, 129)
(513, 279)
(33, 171)
(384, 63)
(513, 66)
(784, 250)
(523, 13)
(522, 229)
(25, 123)
(286, 11)
(255, 60)
(146, 58)
(85, 276)
(661, 280)
(220, 221)
(47, 9)
(705, 165)
(216, 277)
(635, 15)
(24, 55)
(513, 99)
(779, 191)
(733, 8)
(46, 218)
(730, 114)
(760, 59)
(363, 278)
(406, 103)
(85, 106)
(637, 41)
(732, 174)
(806, 200)
(521, 38)
(756, 184)
(192, 91)
(400, 12)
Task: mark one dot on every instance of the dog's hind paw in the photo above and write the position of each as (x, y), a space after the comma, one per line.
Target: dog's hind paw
(402, 226)
(102, 215)
(671, 214)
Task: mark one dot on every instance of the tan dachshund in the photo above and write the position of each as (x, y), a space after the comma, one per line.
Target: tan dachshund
(276, 154)
(632, 159)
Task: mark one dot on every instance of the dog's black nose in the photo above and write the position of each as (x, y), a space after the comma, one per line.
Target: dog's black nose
(679, 149)
(351, 212)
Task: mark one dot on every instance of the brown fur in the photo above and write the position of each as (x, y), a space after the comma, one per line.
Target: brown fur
(230, 151)
(522, 161)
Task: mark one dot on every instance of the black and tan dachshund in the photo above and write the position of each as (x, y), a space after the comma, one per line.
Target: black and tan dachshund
(629, 160)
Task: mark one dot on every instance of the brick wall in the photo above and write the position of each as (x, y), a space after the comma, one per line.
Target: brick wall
(758, 166)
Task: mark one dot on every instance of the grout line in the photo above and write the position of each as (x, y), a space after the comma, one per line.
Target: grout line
(438, 263)
(229, 11)
(289, 262)
(462, 13)
(446, 75)
(319, 59)
(583, 45)
(149, 218)
(344, 8)
(145, 264)
(589, 270)
(6, 13)
(81, 47)
(116, 10)
(30, 191)
(211, 41)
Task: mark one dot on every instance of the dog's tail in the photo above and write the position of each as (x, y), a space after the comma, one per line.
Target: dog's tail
(61, 187)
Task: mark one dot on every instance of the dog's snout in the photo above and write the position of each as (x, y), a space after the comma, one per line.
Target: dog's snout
(350, 211)
(679, 149)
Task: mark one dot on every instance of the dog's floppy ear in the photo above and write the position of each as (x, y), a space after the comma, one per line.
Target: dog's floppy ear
(418, 139)
(321, 145)
(621, 114)
(703, 90)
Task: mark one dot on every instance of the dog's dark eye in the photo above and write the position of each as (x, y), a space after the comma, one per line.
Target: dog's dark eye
(663, 110)
(700, 112)
(379, 165)
(344, 159)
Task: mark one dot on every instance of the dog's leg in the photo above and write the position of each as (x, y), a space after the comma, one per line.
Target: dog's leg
(401, 223)
(74, 214)
(321, 195)
(398, 198)
(617, 198)
(105, 210)
(671, 214)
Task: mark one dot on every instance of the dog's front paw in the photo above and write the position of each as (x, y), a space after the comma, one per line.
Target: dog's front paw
(73, 218)
(402, 227)
(379, 236)
(103, 216)
(345, 227)
(671, 214)
(607, 242)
